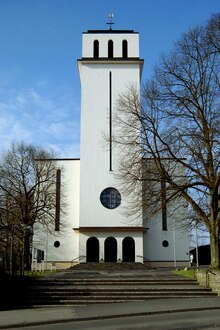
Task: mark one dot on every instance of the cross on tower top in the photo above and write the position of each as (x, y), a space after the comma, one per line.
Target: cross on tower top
(110, 18)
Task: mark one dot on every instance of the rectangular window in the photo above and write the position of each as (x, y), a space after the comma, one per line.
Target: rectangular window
(163, 205)
(58, 187)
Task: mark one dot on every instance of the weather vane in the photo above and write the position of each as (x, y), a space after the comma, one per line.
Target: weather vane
(110, 18)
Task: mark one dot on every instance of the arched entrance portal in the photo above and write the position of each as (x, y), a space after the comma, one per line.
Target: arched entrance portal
(110, 249)
(92, 250)
(128, 249)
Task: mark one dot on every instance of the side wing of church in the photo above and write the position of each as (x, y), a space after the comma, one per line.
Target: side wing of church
(95, 226)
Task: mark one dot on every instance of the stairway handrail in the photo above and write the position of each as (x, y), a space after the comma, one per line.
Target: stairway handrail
(77, 259)
(142, 257)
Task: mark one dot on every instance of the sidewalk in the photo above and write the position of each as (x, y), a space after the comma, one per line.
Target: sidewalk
(49, 315)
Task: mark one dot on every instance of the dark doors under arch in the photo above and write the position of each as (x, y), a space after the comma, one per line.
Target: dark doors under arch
(110, 249)
(92, 250)
(128, 249)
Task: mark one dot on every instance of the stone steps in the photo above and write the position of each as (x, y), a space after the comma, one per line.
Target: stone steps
(119, 295)
(115, 291)
(112, 283)
(86, 287)
(99, 297)
(82, 298)
(110, 266)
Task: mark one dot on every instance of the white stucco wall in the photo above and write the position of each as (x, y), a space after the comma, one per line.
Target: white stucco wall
(103, 38)
(69, 240)
(138, 240)
(176, 234)
(95, 173)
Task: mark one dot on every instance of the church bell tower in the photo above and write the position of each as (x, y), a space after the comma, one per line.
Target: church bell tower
(110, 63)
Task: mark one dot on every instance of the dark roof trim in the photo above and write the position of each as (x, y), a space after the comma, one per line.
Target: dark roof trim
(110, 31)
(163, 158)
(114, 59)
(56, 159)
(110, 229)
(67, 159)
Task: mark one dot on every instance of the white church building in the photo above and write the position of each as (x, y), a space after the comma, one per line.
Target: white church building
(95, 227)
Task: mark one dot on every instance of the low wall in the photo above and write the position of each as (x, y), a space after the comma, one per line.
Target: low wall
(210, 280)
(51, 266)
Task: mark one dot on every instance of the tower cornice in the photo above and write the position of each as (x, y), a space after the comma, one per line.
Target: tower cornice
(104, 60)
(111, 60)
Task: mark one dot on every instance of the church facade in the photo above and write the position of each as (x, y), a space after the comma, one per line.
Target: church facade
(95, 227)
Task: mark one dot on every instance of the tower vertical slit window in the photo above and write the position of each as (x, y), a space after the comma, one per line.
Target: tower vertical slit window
(124, 49)
(58, 188)
(110, 49)
(110, 121)
(96, 49)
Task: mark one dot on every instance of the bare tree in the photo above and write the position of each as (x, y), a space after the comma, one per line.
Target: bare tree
(178, 147)
(27, 195)
(213, 33)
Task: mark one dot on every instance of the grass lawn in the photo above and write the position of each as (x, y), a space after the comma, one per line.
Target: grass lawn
(186, 273)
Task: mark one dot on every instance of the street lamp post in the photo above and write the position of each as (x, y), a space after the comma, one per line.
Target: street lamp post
(46, 248)
(174, 244)
(197, 247)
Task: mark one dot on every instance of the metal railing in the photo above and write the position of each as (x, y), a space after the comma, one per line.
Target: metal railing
(77, 259)
(145, 260)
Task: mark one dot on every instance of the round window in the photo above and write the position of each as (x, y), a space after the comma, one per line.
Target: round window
(56, 244)
(110, 198)
(165, 243)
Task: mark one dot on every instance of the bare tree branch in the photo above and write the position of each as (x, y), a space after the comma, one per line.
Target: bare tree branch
(175, 131)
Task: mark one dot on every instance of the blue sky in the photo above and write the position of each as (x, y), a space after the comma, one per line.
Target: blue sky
(40, 42)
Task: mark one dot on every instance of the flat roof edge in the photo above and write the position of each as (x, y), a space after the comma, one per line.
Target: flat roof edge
(110, 31)
(56, 159)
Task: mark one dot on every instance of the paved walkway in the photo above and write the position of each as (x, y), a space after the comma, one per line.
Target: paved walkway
(37, 316)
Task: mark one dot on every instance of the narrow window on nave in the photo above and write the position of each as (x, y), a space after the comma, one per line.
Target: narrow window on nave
(164, 205)
(96, 49)
(58, 188)
(124, 49)
(110, 49)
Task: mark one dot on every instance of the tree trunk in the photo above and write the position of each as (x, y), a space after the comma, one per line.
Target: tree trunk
(214, 249)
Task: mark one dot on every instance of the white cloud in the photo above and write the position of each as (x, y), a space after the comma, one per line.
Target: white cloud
(65, 150)
(44, 115)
